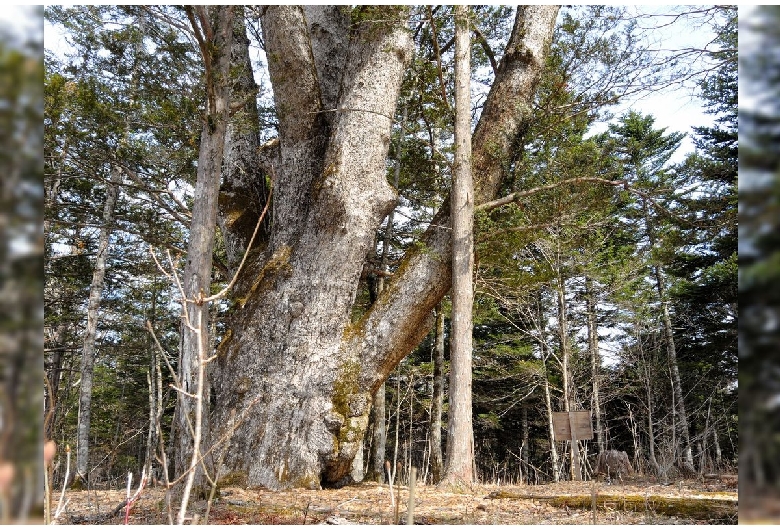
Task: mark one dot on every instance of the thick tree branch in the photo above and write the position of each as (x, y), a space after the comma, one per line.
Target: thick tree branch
(424, 276)
(302, 133)
(486, 48)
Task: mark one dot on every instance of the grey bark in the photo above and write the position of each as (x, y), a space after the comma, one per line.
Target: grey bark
(243, 192)
(660, 473)
(295, 411)
(379, 436)
(551, 430)
(304, 397)
(459, 466)
(437, 399)
(93, 306)
(190, 420)
(595, 359)
(525, 447)
(671, 351)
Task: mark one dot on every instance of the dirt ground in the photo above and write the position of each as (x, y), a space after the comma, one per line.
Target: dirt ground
(369, 503)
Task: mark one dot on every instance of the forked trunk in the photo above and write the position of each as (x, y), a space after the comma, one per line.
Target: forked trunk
(294, 414)
(295, 375)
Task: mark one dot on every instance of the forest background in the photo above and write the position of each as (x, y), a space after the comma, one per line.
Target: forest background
(511, 370)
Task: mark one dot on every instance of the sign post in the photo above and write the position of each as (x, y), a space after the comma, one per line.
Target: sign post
(573, 426)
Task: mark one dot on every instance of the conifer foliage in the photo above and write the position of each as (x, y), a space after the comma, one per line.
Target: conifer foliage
(604, 258)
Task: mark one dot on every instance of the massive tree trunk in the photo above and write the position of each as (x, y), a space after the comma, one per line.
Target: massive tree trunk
(93, 306)
(459, 467)
(296, 375)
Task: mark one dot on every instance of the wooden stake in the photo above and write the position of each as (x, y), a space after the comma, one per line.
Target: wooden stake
(410, 502)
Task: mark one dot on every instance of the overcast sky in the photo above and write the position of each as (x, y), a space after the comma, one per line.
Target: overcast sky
(22, 21)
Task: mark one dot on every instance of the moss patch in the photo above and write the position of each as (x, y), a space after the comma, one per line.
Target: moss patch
(702, 509)
(345, 385)
(278, 263)
(222, 348)
(235, 478)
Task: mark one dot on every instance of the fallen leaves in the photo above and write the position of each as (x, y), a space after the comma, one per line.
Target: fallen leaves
(369, 503)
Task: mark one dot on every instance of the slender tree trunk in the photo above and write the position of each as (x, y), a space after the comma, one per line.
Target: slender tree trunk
(716, 447)
(568, 384)
(651, 434)
(687, 454)
(191, 416)
(525, 446)
(152, 377)
(93, 306)
(437, 399)
(595, 359)
(704, 452)
(151, 434)
(459, 466)
(671, 351)
(551, 430)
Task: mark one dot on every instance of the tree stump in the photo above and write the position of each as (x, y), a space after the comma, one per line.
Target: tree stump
(613, 464)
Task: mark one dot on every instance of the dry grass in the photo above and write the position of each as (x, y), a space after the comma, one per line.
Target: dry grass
(369, 503)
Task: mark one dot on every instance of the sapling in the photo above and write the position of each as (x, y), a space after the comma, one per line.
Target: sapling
(60, 505)
(390, 477)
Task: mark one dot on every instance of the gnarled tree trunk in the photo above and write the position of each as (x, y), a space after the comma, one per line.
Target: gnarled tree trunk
(295, 374)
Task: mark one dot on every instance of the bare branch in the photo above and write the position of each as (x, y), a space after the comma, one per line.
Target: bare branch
(156, 195)
(486, 47)
(515, 197)
(437, 53)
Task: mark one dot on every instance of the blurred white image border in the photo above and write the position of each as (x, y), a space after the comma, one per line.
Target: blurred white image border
(21, 263)
(759, 263)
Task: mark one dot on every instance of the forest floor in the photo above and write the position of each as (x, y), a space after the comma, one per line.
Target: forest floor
(635, 501)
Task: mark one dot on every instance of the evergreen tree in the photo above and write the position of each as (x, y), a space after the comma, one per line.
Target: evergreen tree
(705, 294)
(759, 257)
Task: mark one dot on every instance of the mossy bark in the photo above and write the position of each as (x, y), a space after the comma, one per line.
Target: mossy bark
(700, 509)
